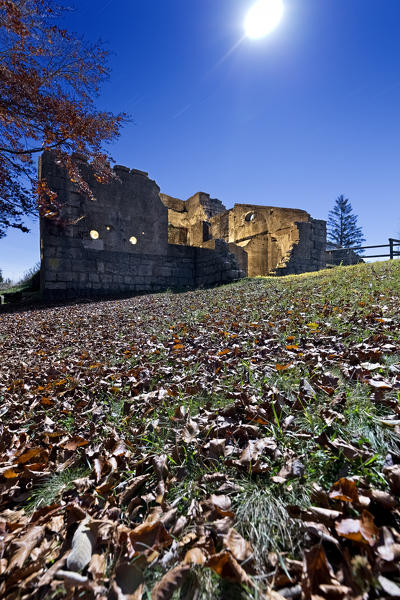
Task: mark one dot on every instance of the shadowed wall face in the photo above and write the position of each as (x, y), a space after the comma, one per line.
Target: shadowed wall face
(127, 215)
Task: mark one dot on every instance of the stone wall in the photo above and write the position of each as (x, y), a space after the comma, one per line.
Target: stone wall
(230, 264)
(308, 254)
(132, 238)
(266, 240)
(266, 233)
(189, 220)
(118, 244)
(95, 273)
(342, 257)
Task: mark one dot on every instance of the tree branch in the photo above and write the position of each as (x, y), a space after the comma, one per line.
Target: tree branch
(33, 150)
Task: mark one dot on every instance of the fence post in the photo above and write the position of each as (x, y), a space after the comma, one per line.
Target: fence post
(391, 248)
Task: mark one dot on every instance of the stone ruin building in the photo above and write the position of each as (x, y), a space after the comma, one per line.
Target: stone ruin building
(274, 240)
(133, 239)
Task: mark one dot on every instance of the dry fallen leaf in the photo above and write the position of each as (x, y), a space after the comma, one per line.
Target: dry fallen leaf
(361, 530)
(128, 582)
(171, 582)
(344, 490)
(237, 545)
(22, 546)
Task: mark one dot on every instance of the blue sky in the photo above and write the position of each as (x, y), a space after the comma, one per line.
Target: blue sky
(295, 119)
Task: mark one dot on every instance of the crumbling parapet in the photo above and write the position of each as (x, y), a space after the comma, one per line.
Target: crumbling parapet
(189, 220)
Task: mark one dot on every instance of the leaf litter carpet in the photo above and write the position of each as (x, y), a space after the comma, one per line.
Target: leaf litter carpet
(236, 442)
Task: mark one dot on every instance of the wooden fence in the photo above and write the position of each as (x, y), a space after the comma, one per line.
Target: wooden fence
(391, 245)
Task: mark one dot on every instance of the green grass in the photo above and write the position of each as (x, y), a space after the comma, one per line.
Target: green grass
(51, 490)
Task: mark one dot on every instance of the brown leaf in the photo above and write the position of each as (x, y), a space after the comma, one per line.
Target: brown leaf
(320, 531)
(279, 367)
(222, 502)
(392, 475)
(171, 582)
(190, 431)
(215, 448)
(97, 566)
(361, 530)
(335, 591)
(314, 513)
(195, 556)
(238, 546)
(387, 549)
(149, 536)
(316, 571)
(22, 547)
(132, 488)
(380, 385)
(344, 490)
(255, 448)
(226, 566)
(294, 468)
(76, 442)
(179, 526)
(161, 466)
(128, 583)
(9, 474)
(49, 575)
(98, 465)
(28, 455)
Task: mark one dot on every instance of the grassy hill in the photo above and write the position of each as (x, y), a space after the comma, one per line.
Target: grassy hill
(240, 442)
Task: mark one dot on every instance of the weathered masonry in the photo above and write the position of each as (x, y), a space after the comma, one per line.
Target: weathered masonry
(119, 243)
(275, 240)
(135, 239)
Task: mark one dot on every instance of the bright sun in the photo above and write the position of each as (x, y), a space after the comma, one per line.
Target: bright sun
(263, 17)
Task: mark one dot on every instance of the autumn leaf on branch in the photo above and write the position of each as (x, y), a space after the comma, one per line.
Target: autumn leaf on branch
(48, 82)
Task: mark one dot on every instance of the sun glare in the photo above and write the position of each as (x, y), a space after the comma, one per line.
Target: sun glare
(263, 17)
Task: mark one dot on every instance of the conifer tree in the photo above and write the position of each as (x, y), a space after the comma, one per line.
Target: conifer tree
(343, 229)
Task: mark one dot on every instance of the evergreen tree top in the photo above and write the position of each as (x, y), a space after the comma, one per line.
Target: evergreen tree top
(343, 228)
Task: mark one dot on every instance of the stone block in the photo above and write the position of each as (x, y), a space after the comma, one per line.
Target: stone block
(59, 285)
(53, 264)
(64, 276)
(144, 270)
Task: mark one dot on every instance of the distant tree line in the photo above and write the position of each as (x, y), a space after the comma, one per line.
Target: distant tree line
(4, 283)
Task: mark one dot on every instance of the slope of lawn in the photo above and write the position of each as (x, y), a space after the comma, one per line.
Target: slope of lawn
(239, 442)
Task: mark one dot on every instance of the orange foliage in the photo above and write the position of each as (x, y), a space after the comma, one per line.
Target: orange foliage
(48, 82)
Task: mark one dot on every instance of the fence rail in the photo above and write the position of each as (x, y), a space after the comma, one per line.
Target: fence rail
(392, 252)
